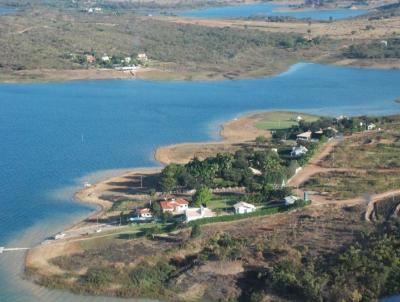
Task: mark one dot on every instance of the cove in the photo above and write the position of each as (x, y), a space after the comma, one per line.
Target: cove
(270, 9)
(54, 136)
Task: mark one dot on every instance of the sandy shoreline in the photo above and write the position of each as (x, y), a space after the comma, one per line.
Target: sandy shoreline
(128, 186)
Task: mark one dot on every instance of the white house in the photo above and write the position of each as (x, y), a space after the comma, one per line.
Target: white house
(105, 58)
(371, 126)
(144, 213)
(174, 206)
(142, 57)
(298, 151)
(289, 200)
(198, 213)
(127, 60)
(305, 136)
(244, 207)
(299, 118)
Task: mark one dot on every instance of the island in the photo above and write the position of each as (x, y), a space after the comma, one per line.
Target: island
(287, 207)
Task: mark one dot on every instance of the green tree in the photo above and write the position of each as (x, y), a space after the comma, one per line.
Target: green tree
(156, 209)
(168, 178)
(196, 231)
(202, 197)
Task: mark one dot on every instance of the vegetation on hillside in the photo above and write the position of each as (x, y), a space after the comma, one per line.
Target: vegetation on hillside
(367, 270)
(384, 49)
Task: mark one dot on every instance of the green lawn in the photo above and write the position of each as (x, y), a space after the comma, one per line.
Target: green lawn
(282, 120)
(223, 203)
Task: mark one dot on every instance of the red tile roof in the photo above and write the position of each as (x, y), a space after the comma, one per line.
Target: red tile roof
(171, 204)
(144, 211)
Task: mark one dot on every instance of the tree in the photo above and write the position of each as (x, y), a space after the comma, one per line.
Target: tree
(156, 209)
(202, 197)
(196, 231)
(168, 178)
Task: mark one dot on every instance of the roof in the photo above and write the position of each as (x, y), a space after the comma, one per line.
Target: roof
(181, 201)
(299, 149)
(305, 134)
(171, 204)
(290, 199)
(243, 204)
(167, 205)
(144, 211)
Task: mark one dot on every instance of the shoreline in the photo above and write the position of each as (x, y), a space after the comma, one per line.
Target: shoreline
(231, 131)
(50, 76)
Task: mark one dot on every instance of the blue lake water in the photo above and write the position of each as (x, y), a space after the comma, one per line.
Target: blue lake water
(43, 158)
(6, 10)
(270, 9)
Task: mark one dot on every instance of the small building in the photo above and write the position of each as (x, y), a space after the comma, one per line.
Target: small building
(244, 207)
(174, 206)
(144, 213)
(127, 60)
(275, 150)
(299, 118)
(305, 136)
(371, 126)
(298, 151)
(384, 43)
(105, 58)
(290, 200)
(142, 57)
(255, 172)
(192, 214)
(90, 58)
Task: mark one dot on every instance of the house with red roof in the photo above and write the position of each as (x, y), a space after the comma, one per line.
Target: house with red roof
(144, 213)
(174, 206)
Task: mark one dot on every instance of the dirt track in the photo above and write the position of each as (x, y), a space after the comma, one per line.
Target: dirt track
(318, 199)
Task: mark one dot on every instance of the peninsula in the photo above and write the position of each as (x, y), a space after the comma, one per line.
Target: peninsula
(117, 39)
(261, 239)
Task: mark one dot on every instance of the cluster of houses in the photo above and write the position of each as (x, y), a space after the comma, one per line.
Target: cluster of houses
(179, 209)
(124, 64)
(176, 207)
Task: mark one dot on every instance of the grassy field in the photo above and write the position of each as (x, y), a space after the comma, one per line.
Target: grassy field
(282, 120)
(374, 151)
(346, 185)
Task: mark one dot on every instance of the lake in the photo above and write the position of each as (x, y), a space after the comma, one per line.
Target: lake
(56, 136)
(6, 10)
(270, 9)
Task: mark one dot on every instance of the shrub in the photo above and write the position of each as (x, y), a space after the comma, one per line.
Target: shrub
(146, 277)
(196, 231)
